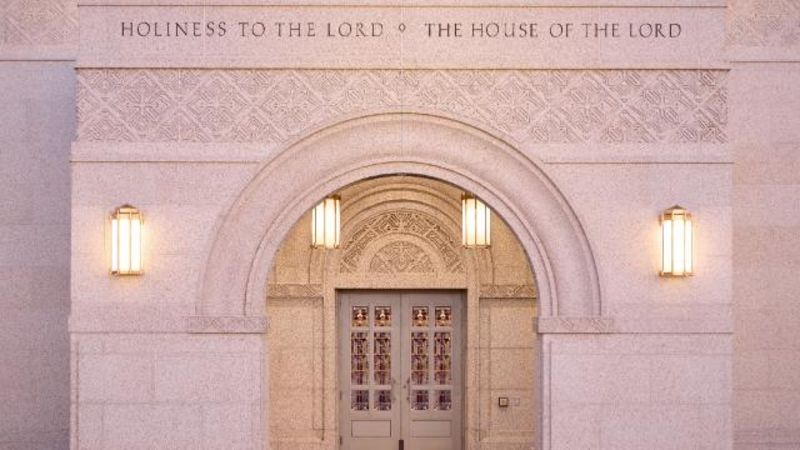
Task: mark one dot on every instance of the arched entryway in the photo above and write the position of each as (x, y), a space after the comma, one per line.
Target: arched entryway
(236, 278)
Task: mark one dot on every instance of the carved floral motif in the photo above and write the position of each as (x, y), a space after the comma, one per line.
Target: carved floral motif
(276, 106)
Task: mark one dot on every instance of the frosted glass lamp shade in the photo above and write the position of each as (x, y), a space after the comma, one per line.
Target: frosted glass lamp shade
(475, 222)
(677, 242)
(126, 241)
(326, 223)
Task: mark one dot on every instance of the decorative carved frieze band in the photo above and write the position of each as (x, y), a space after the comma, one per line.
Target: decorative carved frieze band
(294, 290)
(764, 23)
(39, 23)
(574, 325)
(276, 106)
(508, 291)
(226, 324)
(405, 259)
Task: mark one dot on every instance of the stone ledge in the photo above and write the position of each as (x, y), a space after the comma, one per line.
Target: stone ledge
(499, 291)
(296, 290)
(577, 325)
(227, 324)
(154, 324)
(38, 53)
(773, 436)
(622, 325)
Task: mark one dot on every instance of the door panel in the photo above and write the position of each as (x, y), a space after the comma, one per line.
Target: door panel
(400, 371)
(431, 333)
(369, 370)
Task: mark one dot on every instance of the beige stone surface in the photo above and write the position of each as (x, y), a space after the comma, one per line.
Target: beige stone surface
(167, 391)
(36, 126)
(609, 391)
(766, 252)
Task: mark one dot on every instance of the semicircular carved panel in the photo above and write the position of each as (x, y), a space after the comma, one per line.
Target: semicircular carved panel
(401, 256)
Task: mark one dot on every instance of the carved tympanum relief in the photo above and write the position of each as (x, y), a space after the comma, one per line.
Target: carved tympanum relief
(764, 23)
(401, 256)
(276, 106)
(38, 22)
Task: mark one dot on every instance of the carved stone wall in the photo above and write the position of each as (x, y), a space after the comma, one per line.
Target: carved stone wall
(401, 256)
(275, 106)
(764, 23)
(38, 22)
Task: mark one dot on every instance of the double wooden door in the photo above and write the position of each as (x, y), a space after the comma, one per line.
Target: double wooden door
(401, 376)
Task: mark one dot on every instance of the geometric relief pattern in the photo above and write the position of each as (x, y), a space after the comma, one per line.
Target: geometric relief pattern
(764, 23)
(401, 256)
(276, 106)
(226, 324)
(508, 291)
(38, 22)
(294, 290)
(571, 325)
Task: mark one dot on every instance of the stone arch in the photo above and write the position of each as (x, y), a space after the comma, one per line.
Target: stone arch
(511, 182)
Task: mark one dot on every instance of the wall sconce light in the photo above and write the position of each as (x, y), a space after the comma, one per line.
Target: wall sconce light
(326, 223)
(677, 240)
(475, 222)
(126, 241)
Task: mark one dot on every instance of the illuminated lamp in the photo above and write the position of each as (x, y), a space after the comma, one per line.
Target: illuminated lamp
(126, 241)
(475, 222)
(677, 241)
(326, 223)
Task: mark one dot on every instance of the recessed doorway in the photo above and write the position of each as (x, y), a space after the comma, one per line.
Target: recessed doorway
(401, 240)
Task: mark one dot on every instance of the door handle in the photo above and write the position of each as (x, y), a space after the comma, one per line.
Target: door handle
(407, 387)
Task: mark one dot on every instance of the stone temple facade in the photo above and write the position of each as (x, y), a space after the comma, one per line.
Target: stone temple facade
(578, 122)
